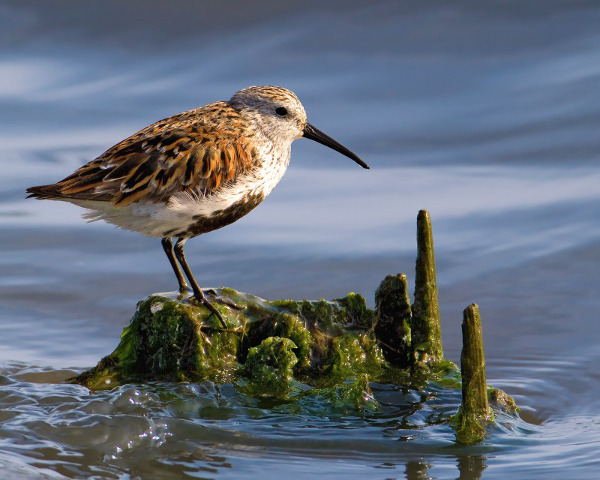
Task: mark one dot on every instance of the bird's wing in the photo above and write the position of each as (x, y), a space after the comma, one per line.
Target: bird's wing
(186, 152)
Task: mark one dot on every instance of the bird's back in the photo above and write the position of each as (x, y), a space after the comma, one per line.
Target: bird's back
(195, 151)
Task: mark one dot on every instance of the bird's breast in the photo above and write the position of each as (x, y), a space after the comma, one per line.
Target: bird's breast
(201, 213)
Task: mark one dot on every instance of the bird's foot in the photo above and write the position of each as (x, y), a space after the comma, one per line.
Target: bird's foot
(203, 300)
(223, 300)
(230, 303)
(184, 292)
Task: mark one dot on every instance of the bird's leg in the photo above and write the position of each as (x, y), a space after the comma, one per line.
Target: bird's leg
(180, 254)
(168, 248)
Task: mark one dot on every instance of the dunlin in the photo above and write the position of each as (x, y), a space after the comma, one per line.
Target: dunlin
(193, 172)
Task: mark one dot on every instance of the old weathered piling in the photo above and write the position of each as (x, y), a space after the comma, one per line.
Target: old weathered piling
(474, 412)
(426, 329)
(393, 320)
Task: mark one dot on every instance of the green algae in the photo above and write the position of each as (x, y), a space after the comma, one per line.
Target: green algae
(347, 356)
(165, 342)
(289, 326)
(269, 368)
(502, 401)
(320, 313)
(354, 308)
(171, 340)
(354, 394)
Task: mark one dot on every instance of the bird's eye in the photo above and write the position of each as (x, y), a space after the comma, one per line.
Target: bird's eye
(282, 111)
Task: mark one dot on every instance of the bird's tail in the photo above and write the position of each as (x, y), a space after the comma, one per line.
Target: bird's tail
(44, 192)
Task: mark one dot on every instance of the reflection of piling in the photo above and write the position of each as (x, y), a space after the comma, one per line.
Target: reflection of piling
(416, 469)
(474, 411)
(471, 467)
(426, 330)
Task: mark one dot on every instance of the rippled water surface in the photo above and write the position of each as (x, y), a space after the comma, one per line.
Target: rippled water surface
(485, 113)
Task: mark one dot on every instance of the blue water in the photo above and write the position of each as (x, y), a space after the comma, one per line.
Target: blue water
(485, 113)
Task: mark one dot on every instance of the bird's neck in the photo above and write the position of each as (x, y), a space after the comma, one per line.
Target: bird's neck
(268, 171)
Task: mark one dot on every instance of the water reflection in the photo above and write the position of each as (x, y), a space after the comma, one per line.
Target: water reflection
(471, 467)
(417, 471)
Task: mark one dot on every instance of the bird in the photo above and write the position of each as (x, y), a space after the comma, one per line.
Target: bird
(193, 172)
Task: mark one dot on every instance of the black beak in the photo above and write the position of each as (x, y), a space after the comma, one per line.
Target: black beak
(318, 136)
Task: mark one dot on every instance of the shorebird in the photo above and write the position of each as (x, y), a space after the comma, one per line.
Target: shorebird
(194, 172)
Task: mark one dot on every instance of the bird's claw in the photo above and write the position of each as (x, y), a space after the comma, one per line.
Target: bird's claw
(203, 300)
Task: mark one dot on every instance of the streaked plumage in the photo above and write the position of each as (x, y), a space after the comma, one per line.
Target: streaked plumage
(193, 172)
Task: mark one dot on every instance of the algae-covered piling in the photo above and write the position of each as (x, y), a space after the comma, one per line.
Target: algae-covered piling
(288, 349)
(474, 412)
(426, 328)
(393, 328)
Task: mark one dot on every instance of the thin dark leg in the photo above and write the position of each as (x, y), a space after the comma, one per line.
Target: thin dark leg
(168, 248)
(180, 254)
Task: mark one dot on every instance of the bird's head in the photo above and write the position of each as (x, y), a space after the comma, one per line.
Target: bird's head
(282, 118)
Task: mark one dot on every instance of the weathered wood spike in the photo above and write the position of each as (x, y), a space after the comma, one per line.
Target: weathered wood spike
(393, 320)
(475, 411)
(426, 328)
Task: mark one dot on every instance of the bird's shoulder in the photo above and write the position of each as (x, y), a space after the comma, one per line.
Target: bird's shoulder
(197, 151)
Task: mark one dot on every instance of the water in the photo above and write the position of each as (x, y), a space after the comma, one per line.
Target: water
(484, 113)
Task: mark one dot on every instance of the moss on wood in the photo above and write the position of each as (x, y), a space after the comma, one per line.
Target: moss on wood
(288, 349)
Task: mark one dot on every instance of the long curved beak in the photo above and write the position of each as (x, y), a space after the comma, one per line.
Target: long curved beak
(318, 136)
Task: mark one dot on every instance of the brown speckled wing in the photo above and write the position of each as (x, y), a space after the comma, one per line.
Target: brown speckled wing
(195, 151)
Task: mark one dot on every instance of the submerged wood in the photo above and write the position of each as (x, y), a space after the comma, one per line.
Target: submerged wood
(475, 412)
(426, 322)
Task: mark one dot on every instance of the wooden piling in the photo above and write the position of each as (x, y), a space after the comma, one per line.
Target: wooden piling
(393, 329)
(426, 329)
(475, 411)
